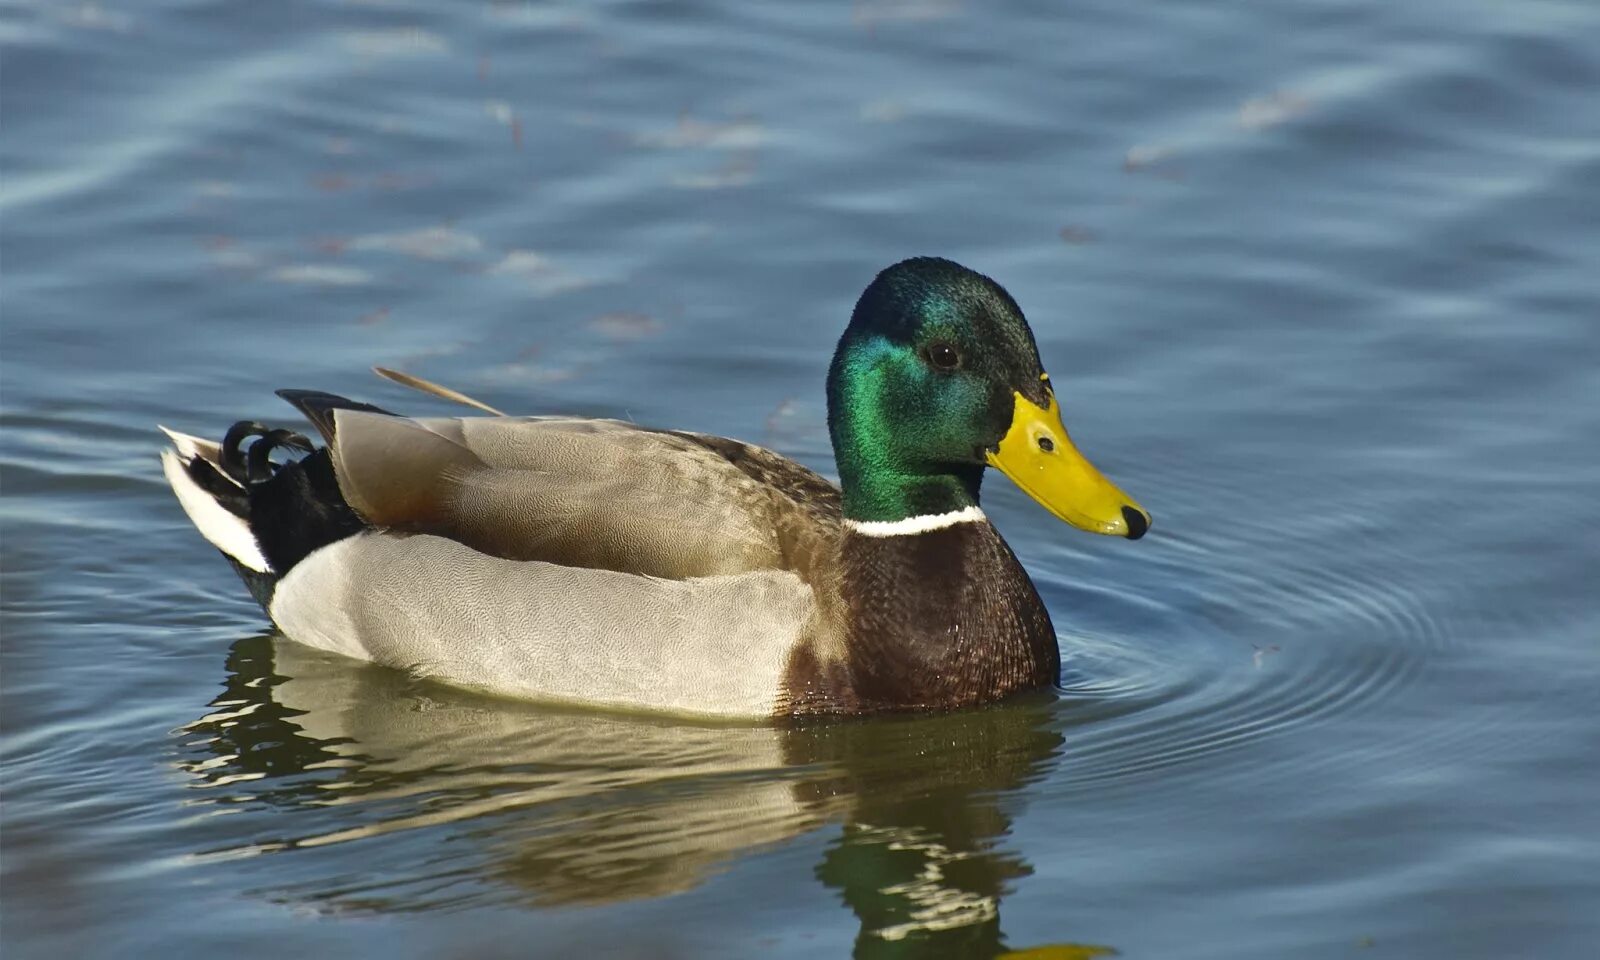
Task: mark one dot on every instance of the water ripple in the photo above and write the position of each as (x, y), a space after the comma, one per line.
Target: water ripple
(1238, 650)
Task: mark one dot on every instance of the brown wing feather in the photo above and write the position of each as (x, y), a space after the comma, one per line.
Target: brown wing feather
(808, 511)
(588, 493)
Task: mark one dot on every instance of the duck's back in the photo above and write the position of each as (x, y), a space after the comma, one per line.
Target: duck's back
(599, 494)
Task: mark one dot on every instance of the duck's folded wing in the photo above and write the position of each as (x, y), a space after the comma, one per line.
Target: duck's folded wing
(589, 493)
(430, 605)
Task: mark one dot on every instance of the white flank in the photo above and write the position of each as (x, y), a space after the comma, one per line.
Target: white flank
(911, 525)
(715, 646)
(226, 532)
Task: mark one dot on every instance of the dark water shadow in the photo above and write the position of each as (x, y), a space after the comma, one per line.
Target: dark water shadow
(420, 798)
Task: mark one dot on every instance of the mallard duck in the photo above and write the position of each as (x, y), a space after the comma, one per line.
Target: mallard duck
(624, 567)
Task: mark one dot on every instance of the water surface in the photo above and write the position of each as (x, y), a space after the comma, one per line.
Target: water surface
(1317, 285)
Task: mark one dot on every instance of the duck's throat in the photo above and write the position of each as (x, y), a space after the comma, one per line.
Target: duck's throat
(882, 497)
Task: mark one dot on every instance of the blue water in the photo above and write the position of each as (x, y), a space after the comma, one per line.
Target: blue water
(1317, 283)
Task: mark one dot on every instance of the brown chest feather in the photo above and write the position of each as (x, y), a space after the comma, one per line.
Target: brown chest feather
(936, 620)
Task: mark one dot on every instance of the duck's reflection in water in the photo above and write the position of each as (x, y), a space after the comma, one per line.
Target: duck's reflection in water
(556, 807)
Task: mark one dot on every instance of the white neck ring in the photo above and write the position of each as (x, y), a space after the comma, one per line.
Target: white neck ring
(914, 525)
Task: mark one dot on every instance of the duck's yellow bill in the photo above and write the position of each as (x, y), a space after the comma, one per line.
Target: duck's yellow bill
(1039, 457)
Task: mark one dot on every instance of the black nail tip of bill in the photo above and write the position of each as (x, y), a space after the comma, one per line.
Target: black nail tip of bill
(1138, 523)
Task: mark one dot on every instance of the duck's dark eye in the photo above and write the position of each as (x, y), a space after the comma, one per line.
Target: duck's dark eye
(943, 356)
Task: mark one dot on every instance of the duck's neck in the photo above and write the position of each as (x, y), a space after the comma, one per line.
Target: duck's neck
(880, 498)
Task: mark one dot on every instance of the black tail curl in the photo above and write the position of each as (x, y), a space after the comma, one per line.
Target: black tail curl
(253, 465)
(293, 508)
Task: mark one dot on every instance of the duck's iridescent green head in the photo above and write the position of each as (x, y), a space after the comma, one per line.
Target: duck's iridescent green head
(938, 376)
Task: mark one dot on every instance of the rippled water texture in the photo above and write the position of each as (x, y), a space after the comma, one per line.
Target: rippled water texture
(1316, 282)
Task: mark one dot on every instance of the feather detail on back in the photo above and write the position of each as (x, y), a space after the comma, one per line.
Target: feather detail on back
(586, 493)
(435, 389)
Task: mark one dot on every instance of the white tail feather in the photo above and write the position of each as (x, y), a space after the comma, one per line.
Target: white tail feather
(227, 533)
(191, 447)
